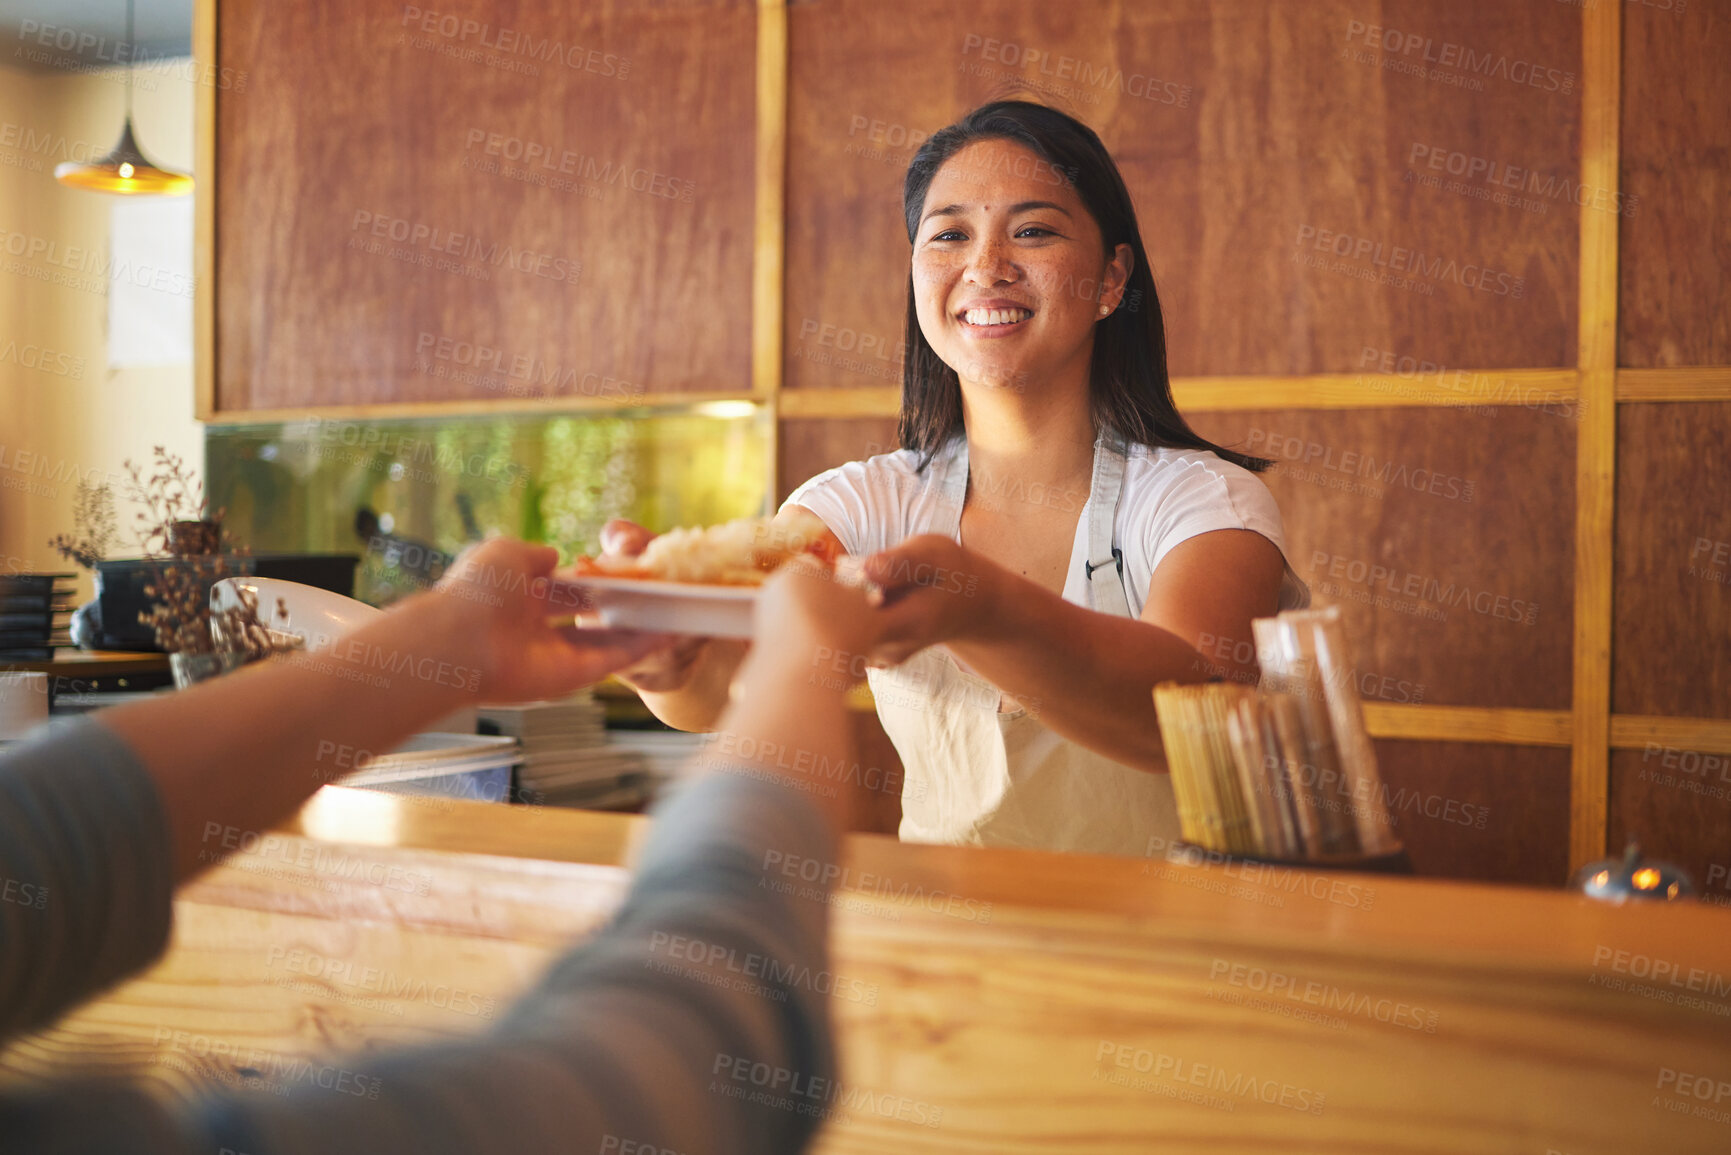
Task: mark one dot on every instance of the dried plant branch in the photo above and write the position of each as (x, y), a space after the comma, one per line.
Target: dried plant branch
(93, 526)
(179, 586)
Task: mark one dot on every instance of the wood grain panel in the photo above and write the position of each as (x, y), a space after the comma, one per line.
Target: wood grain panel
(1445, 535)
(1672, 613)
(1475, 810)
(998, 1032)
(1677, 804)
(810, 446)
(1246, 132)
(1676, 181)
(563, 198)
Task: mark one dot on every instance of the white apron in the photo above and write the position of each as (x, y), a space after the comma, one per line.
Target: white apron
(980, 778)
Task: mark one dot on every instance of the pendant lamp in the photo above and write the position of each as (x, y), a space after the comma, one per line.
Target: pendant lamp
(125, 170)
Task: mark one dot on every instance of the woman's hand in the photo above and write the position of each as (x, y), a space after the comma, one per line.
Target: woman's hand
(934, 591)
(494, 604)
(669, 668)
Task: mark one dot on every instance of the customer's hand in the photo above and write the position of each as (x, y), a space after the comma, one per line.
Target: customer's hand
(810, 619)
(495, 606)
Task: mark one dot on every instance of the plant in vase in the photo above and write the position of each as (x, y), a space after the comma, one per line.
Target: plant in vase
(189, 552)
(93, 531)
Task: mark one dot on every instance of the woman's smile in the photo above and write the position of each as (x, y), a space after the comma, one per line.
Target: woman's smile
(1010, 270)
(994, 318)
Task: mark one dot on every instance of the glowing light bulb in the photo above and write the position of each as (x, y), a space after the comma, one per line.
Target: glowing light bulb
(126, 171)
(1646, 878)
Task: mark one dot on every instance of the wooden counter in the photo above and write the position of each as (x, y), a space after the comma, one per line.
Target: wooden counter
(997, 1001)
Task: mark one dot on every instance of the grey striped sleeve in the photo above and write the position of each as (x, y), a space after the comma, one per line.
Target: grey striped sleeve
(698, 1021)
(86, 871)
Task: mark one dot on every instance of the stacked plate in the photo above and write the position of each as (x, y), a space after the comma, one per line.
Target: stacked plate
(33, 611)
(567, 759)
(476, 767)
(666, 754)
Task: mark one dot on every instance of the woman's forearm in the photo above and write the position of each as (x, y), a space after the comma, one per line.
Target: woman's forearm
(697, 705)
(1086, 675)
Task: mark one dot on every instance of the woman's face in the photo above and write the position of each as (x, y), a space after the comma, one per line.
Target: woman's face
(1009, 268)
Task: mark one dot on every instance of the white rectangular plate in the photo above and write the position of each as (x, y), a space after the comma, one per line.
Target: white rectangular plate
(670, 607)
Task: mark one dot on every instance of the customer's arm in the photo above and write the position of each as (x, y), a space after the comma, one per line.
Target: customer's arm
(99, 820)
(243, 751)
(630, 1041)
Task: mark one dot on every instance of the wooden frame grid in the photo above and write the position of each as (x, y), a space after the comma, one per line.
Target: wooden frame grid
(1588, 729)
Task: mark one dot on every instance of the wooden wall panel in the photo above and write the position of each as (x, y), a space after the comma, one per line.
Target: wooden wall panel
(811, 445)
(1471, 810)
(1677, 804)
(1245, 131)
(1676, 177)
(1671, 648)
(1445, 536)
(614, 166)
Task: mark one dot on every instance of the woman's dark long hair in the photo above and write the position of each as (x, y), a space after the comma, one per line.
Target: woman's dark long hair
(1128, 383)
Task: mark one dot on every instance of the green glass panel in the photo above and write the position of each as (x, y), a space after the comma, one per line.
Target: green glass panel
(407, 494)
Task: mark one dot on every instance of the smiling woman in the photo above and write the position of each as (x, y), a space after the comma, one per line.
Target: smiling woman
(1047, 490)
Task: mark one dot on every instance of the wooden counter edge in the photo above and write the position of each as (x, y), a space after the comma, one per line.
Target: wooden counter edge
(1375, 914)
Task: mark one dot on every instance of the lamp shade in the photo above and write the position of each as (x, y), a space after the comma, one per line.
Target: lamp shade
(125, 170)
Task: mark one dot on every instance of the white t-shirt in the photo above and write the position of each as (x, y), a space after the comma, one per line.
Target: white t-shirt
(1169, 496)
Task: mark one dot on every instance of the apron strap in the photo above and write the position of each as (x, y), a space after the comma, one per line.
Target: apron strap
(952, 482)
(1105, 562)
(1104, 568)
